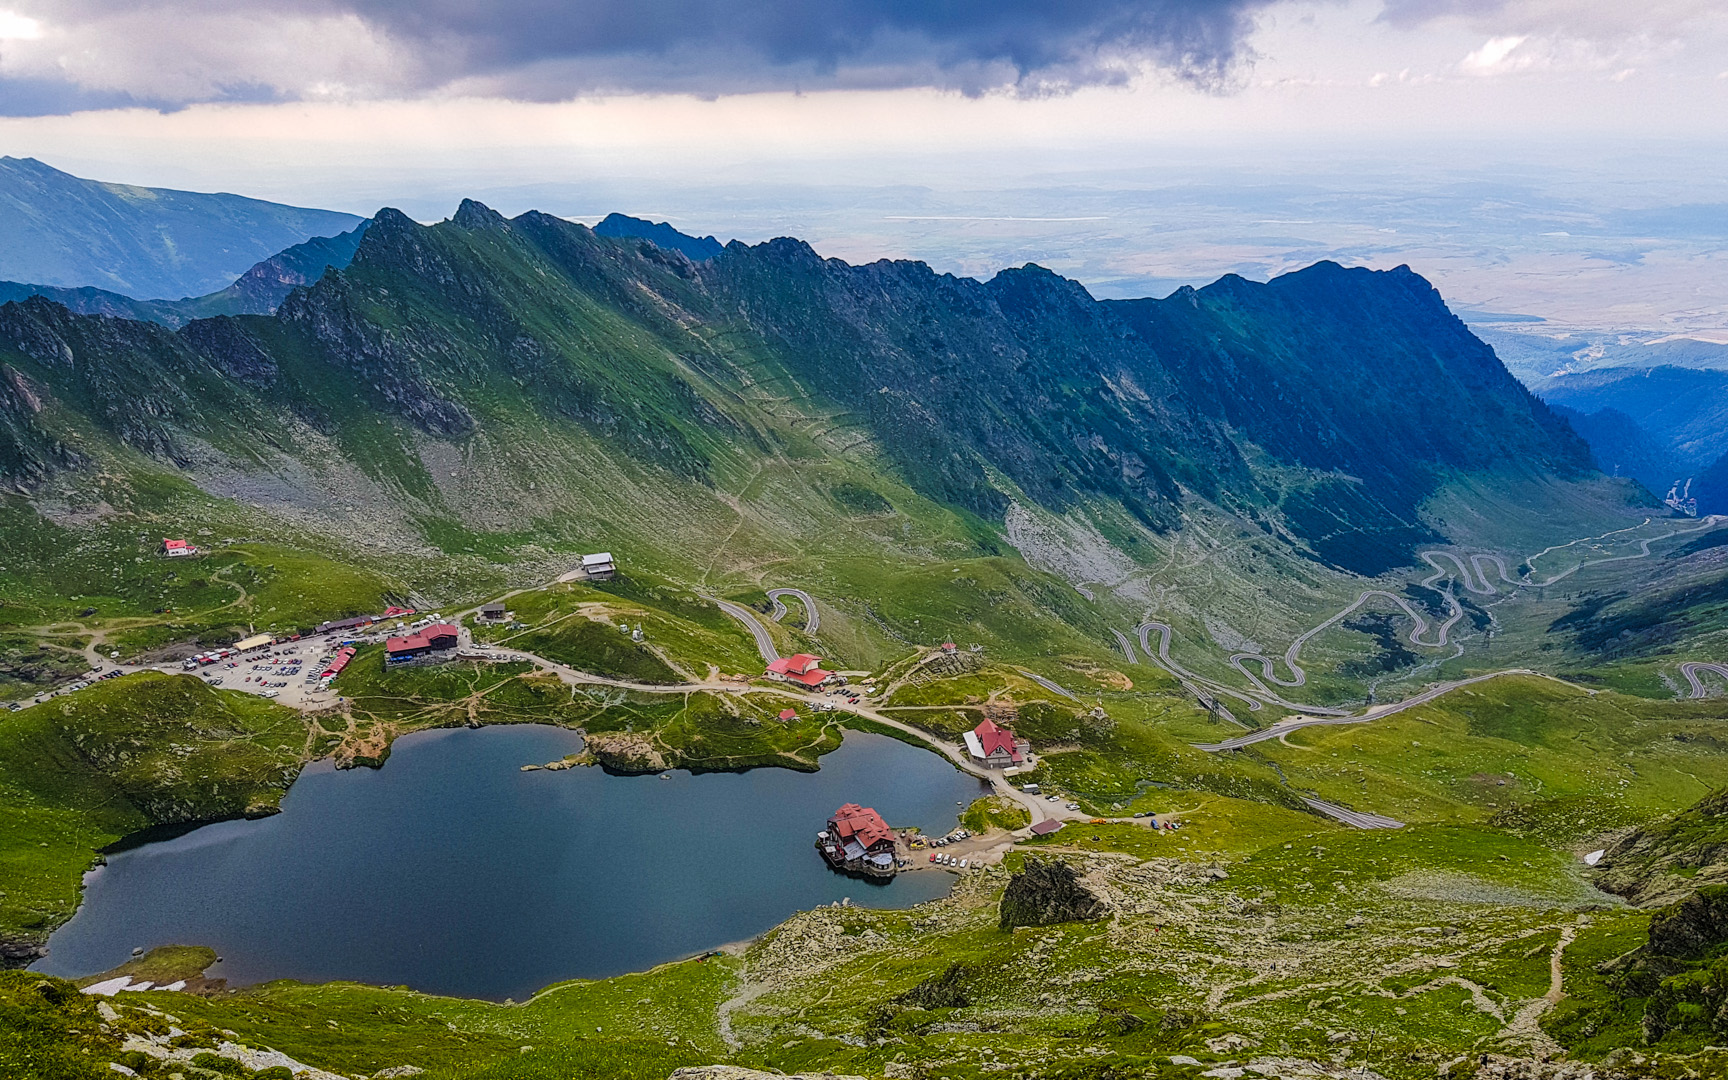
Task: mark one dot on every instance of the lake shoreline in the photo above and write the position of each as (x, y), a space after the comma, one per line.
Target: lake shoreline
(463, 875)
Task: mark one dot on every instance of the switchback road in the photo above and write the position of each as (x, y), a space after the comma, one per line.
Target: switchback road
(1691, 671)
(1297, 723)
(764, 642)
(812, 617)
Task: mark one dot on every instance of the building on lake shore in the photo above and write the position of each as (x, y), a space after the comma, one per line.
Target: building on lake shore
(858, 841)
(995, 747)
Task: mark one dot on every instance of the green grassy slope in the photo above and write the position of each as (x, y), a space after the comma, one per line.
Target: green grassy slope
(84, 771)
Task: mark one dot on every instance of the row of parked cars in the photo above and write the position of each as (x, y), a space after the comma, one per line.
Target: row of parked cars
(94, 677)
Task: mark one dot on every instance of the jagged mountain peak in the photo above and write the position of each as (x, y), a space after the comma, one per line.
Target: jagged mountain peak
(660, 233)
(472, 214)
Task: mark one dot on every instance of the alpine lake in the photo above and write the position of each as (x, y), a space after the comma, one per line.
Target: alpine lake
(453, 871)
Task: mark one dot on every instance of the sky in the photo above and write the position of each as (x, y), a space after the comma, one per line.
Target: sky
(1558, 157)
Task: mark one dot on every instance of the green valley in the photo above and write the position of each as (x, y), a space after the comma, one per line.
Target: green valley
(1243, 568)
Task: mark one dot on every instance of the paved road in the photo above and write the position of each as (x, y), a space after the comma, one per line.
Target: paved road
(1710, 522)
(1354, 818)
(1465, 575)
(1691, 670)
(764, 643)
(1204, 688)
(812, 617)
(1047, 684)
(1471, 571)
(1418, 628)
(1296, 723)
(1125, 645)
(1039, 807)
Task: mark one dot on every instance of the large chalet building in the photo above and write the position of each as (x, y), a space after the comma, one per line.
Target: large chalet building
(857, 840)
(804, 670)
(995, 747)
(432, 644)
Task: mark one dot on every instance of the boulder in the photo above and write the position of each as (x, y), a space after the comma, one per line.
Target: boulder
(1047, 892)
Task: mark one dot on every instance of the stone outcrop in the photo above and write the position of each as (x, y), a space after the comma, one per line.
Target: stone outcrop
(1665, 861)
(1046, 893)
(1691, 928)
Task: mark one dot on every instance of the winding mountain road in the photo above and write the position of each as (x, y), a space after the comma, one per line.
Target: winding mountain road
(812, 617)
(1471, 571)
(764, 642)
(1375, 712)
(1691, 670)
(1203, 688)
(1047, 684)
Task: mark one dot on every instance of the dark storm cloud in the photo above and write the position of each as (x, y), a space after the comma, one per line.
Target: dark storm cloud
(50, 96)
(723, 45)
(556, 49)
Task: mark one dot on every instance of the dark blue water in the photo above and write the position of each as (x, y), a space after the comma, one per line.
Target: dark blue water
(452, 871)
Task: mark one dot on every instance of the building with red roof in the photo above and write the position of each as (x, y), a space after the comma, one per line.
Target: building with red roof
(804, 670)
(175, 549)
(433, 642)
(859, 841)
(995, 747)
(788, 715)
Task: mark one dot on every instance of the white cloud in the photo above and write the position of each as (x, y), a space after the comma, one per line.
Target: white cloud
(1495, 56)
(215, 55)
(16, 27)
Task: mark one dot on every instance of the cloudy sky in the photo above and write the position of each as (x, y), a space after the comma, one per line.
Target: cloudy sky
(1134, 143)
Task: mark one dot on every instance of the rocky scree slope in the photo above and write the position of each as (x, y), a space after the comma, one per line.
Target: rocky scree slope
(1323, 406)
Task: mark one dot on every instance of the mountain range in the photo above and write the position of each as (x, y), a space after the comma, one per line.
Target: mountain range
(256, 292)
(1663, 425)
(616, 388)
(145, 243)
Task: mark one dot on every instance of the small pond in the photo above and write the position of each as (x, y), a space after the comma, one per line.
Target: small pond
(452, 871)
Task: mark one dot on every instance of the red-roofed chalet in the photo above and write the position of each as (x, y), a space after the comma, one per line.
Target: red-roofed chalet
(995, 747)
(858, 840)
(803, 669)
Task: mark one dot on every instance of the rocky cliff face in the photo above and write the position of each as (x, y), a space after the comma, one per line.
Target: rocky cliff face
(1666, 861)
(1047, 892)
